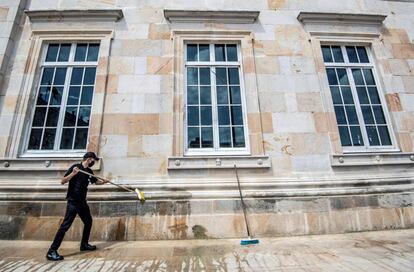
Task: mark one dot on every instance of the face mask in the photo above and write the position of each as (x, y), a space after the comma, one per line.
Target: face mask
(91, 163)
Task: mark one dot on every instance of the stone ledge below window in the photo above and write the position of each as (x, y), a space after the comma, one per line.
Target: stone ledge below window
(41, 164)
(372, 159)
(202, 16)
(219, 162)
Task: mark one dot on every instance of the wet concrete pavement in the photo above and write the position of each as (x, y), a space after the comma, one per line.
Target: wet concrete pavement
(370, 251)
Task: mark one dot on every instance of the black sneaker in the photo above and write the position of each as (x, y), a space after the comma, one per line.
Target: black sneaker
(85, 247)
(53, 255)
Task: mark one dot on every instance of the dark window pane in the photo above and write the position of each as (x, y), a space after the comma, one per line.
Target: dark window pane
(193, 137)
(344, 135)
(336, 95)
(236, 115)
(84, 116)
(340, 115)
(373, 94)
(80, 53)
(379, 115)
(70, 116)
(49, 138)
(60, 76)
(231, 52)
(76, 76)
(367, 113)
(52, 51)
(205, 95)
(206, 119)
(204, 76)
(235, 97)
(369, 78)
(204, 52)
(86, 98)
(93, 52)
(234, 76)
(238, 137)
(372, 136)
(52, 117)
(221, 77)
(64, 52)
(326, 52)
(384, 135)
(337, 54)
(67, 138)
(362, 95)
(358, 77)
(73, 97)
(193, 116)
(192, 95)
(47, 76)
(219, 50)
(362, 53)
(222, 96)
(56, 96)
(356, 136)
(207, 137)
(347, 95)
(352, 115)
(225, 137)
(342, 76)
(332, 76)
(352, 55)
(43, 97)
(35, 138)
(39, 117)
(191, 52)
(192, 76)
(81, 138)
(223, 115)
(89, 78)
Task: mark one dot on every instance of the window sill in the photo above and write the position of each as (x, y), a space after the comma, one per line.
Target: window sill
(372, 159)
(42, 164)
(218, 162)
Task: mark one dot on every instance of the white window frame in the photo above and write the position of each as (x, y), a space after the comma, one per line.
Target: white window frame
(348, 66)
(56, 151)
(216, 150)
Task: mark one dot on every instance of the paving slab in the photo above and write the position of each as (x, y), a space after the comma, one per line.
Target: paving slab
(367, 251)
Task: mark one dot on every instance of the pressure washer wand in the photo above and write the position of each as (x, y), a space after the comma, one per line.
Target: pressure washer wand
(139, 193)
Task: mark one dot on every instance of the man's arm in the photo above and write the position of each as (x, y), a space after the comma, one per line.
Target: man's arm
(101, 181)
(67, 177)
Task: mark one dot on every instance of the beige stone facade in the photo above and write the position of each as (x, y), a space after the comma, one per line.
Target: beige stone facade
(297, 176)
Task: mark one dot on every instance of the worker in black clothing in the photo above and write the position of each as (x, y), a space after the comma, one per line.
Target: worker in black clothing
(76, 204)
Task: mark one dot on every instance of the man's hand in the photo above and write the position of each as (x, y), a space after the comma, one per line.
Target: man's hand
(102, 181)
(66, 179)
(75, 170)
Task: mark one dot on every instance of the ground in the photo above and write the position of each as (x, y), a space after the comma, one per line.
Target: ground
(369, 251)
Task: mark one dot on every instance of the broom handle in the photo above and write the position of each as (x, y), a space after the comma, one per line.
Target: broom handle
(242, 202)
(118, 185)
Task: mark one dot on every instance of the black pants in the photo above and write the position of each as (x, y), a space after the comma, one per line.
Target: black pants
(72, 209)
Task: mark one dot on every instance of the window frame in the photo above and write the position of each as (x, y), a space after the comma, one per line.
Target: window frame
(216, 150)
(366, 148)
(70, 64)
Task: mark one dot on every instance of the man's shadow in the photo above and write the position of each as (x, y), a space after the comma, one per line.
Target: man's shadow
(100, 248)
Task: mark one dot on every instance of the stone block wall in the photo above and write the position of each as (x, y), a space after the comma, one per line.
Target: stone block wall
(138, 111)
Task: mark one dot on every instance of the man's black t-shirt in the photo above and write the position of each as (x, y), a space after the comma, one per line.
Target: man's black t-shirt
(78, 185)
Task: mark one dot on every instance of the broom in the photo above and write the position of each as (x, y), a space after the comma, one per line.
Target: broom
(250, 240)
(140, 194)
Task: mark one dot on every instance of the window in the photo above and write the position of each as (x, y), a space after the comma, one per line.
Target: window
(360, 115)
(64, 98)
(215, 115)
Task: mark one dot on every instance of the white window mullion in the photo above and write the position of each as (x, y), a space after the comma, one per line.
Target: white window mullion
(358, 108)
(216, 142)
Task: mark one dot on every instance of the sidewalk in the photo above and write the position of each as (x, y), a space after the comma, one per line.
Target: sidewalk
(370, 251)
